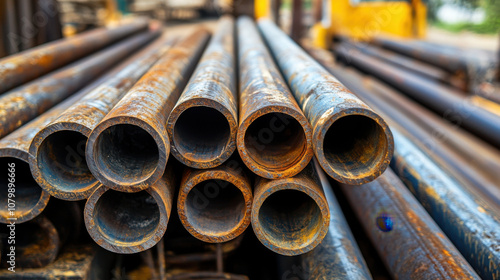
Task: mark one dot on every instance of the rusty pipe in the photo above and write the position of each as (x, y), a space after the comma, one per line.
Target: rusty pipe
(22, 104)
(28, 65)
(128, 223)
(58, 163)
(202, 126)
(290, 216)
(128, 150)
(397, 224)
(274, 137)
(352, 143)
(214, 205)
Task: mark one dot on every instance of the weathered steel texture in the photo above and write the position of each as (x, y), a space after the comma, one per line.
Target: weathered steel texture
(290, 216)
(352, 143)
(451, 103)
(128, 150)
(26, 66)
(37, 243)
(338, 255)
(274, 137)
(214, 205)
(415, 248)
(22, 104)
(58, 164)
(203, 124)
(128, 223)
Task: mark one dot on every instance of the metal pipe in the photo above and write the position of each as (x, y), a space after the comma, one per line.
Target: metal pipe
(352, 143)
(202, 126)
(128, 150)
(452, 104)
(274, 137)
(58, 163)
(26, 66)
(290, 216)
(409, 242)
(214, 205)
(128, 223)
(22, 104)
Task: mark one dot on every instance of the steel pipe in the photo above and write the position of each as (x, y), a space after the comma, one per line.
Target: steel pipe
(128, 150)
(58, 163)
(409, 242)
(214, 205)
(22, 104)
(202, 126)
(26, 66)
(128, 223)
(290, 216)
(274, 137)
(352, 143)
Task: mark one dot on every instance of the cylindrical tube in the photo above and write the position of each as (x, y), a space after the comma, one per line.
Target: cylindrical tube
(202, 126)
(403, 226)
(352, 143)
(290, 216)
(214, 205)
(274, 137)
(128, 223)
(26, 66)
(22, 104)
(58, 163)
(128, 150)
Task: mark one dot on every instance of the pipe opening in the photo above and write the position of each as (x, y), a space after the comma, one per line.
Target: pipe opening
(214, 207)
(32, 238)
(61, 161)
(201, 133)
(28, 192)
(290, 219)
(126, 153)
(354, 146)
(126, 217)
(276, 141)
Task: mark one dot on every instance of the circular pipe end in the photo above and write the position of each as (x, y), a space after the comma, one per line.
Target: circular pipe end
(289, 217)
(203, 133)
(275, 142)
(127, 154)
(355, 146)
(127, 223)
(215, 206)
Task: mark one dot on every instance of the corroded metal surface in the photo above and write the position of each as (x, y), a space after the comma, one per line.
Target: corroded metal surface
(26, 66)
(452, 104)
(24, 103)
(214, 205)
(128, 223)
(290, 216)
(352, 143)
(415, 248)
(202, 126)
(274, 137)
(128, 150)
(338, 255)
(58, 163)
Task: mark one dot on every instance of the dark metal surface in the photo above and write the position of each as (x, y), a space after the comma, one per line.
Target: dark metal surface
(352, 143)
(128, 150)
(415, 248)
(26, 66)
(58, 164)
(214, 205)
(290, 216)
(203, 124)
(128, 223)
(22, 104)
(452, 104)
(274, 137)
